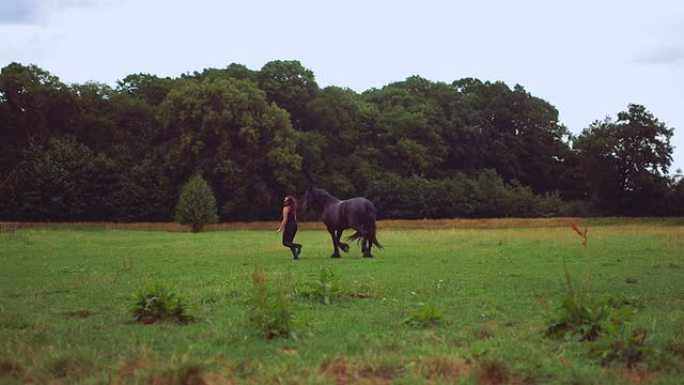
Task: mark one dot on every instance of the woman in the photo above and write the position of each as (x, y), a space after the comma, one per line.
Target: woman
(289, 223)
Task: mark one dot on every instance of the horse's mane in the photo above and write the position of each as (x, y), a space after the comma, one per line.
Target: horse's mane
(322, 196)
(322, 193)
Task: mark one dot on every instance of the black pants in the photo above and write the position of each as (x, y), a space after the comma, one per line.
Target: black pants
(288, 237)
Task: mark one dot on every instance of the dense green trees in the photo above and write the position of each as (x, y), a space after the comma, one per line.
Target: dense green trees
(483, 194)
(225, 129)
(626, 162)
(290, 86)
(418, 148)
(34, 105)
(60, 180)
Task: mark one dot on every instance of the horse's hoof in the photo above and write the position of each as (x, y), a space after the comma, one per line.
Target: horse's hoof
(368, 256)
(335, 256)
(344, 247)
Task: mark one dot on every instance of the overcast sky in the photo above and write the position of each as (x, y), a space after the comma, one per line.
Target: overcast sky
(590, 59)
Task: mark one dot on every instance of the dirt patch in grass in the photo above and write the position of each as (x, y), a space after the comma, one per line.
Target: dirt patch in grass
(360, 295)
(79, 314)
(148, 320)
(483, 333)
(131, 366)
(340, 370)
(219, 379)
(177, 320)
(160, 379)
(492, 373)
(637, 376)
(445, 369)
(380, 374)
(436, 369)
(345, 372)
(190, 375)
(290, 351)
(11, 368)
(71, 367)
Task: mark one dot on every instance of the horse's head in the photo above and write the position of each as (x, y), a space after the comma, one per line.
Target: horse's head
(309, 198)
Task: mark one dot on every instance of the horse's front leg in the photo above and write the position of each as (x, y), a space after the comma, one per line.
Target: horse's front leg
(343, 246)
(336, 251)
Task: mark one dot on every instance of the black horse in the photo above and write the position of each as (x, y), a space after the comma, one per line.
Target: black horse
(338, 215)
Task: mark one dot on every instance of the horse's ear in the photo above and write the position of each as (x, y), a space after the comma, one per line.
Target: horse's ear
(310, 178)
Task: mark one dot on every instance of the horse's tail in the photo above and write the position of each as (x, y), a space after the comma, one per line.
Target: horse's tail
(370, 228)
(355, 237)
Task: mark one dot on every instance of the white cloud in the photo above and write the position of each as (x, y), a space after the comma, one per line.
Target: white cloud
(37, 11)
(664, 55)
(16, 11)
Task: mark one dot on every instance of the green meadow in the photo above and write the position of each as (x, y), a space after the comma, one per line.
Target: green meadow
(65, 295)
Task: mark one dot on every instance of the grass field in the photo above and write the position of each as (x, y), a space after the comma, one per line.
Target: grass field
(65, 295)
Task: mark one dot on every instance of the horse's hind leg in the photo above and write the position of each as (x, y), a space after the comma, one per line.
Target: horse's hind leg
(365, 242)
(343, 246)
(367, 251)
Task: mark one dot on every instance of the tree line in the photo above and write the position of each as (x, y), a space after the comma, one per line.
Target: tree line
(416, 147)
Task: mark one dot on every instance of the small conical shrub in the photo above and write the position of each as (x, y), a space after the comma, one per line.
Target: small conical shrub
(196, 204)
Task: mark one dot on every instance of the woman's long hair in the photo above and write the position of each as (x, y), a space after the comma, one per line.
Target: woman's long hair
(290, 201)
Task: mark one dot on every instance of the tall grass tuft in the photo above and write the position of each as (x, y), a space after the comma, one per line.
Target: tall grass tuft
(579, 316)
(272, 310)
(583, 234)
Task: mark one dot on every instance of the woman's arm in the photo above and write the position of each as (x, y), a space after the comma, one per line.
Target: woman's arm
(286, 210)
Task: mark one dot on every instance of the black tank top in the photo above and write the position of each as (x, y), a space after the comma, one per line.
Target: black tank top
(291, 215)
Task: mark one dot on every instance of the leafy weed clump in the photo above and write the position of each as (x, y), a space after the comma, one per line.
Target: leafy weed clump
(578, 318)
(156, 303)
(583, 318)
(607, 322)
(426, 315)
(272, 310)
(621, 343)
(322, 287)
